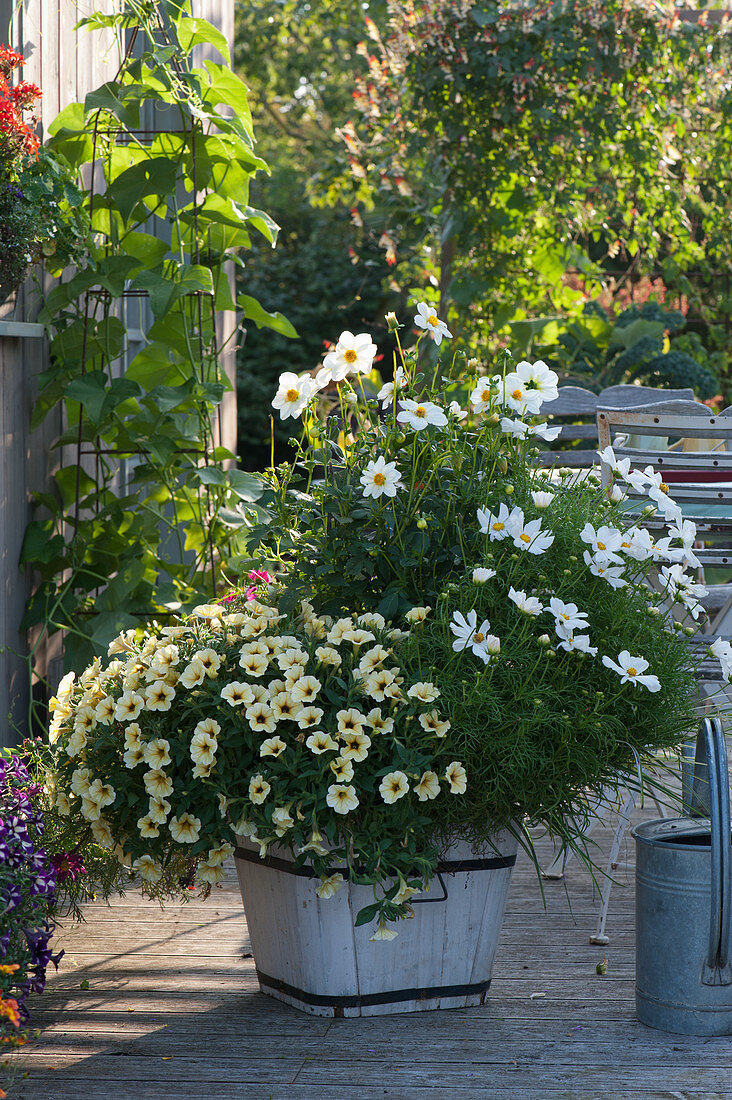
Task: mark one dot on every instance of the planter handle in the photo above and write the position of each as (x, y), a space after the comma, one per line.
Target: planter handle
(717, 969)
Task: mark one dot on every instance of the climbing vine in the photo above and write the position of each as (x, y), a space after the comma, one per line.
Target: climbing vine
(147, 512)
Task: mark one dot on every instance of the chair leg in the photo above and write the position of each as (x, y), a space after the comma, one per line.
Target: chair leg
(620, 830)
(602, 805)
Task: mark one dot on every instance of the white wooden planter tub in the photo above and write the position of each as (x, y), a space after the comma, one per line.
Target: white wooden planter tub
(309, 954)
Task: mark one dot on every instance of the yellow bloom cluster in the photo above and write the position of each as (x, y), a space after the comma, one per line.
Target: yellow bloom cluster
(241, 718)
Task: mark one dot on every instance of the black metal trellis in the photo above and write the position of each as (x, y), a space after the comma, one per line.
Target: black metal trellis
(96, 295)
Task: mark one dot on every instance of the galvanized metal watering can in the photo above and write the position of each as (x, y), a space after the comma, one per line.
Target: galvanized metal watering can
(684, 904)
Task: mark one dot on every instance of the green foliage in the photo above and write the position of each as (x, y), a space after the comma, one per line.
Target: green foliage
(640, 345)
(328, 272)
(538, 718)
(504, 146)
(134, 524)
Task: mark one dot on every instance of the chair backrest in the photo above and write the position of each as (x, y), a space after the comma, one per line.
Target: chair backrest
(574, 402)
(700, 481)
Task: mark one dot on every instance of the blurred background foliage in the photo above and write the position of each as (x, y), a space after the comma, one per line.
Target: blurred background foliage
(538, 170)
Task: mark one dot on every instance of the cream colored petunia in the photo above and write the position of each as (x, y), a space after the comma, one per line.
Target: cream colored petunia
(202, 771)
(134, 756)
(76, 743)
(102, 833)
(237, 694)
(424, 691)
(185, 829)
(204, 746)
(305, 690)
(328, 655)
(378, 723)
(356, 746)
(307, 717)
(417, 614)
(80, 781)
(254, 664)
(84, 719)
(383, 932)
(358, 637)
(377, 683)
(373, 658)
(428, 786)
(273, 746)
(103, 793)
(282, 820)
(261, 718)
(319, 742)
(290, 657)
(147, 827)
(292, 675)
(350, 721)
(158, 810)
(456, 776)
(341, 798)
(393, 786)
(133, 734)
(432, 723)
(192, 675)
(157, 752)
(216, 856)
(90, 810)
(342, 769)
(211, 874)
(62, 804)
(128, 706)
(339, 628)
(65, 689)
(211, 661)
(148, 869)
(159, 696)
(329, 886)
(104, 710)
(209, 612)
(158, 783)
(284, 708)
(259, 788)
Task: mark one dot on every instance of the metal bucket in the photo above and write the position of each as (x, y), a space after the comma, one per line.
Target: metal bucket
(684, 905)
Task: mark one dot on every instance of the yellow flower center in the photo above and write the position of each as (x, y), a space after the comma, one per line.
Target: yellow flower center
(433, 320)
(478, 637)
(379, 479)
(663, 487)
(485, 395)
(601, 546)
(524, 537)
(420, 411)
(350, 356)
(517, 395)
(292, 395)
(632, 671)
(498, 526)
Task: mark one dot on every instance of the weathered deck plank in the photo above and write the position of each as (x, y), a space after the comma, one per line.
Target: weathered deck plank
(172, 1009)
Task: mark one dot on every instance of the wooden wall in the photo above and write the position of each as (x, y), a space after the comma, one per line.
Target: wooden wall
(66, 64)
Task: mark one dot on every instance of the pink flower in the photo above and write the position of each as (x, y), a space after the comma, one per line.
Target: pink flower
(259, 577)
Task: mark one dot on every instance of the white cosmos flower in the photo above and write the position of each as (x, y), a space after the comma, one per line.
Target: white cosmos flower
(528, 536)
(380, 478)
(637, 543)
(484, 395)
(630, 670)
(605, 542)
(419, 415)
(351, 354)
(495, 526)
(427, 319)
(516, 428)
(541, 498)
(386, 393)
(468, 635)
(530, 605)
(681, 588)
(515, 394)
(293, 394)
(598, 564)
(568, 614)
(618, 466)
(456, 410)
(543, 431)
(539, 379)
(481, 575)
(572, 642)
(722, 650)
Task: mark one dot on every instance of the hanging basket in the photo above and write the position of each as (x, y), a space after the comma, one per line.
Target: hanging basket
(309, 953)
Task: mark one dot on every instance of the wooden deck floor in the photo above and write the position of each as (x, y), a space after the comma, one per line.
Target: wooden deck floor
(173, 1011)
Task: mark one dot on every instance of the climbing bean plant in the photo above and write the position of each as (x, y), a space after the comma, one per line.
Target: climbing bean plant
(146, 512)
